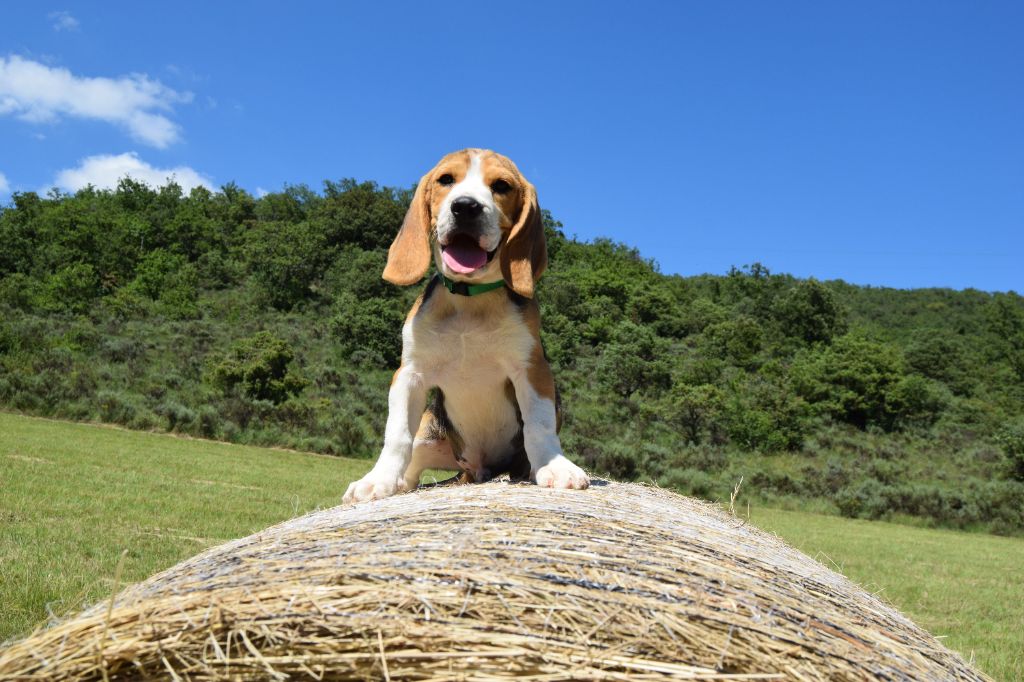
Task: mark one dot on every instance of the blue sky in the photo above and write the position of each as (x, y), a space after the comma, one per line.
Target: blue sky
(877, 142)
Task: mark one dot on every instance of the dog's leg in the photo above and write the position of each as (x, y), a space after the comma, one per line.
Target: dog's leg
(535, 393)
(406, 402)
(429, 454)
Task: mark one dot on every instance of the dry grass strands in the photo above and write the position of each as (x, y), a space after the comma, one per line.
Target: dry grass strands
(491, 582)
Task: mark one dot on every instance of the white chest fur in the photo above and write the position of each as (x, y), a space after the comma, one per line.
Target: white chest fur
(470, 350)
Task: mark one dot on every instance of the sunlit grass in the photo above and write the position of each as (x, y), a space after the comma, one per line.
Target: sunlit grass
(965, 588)
(74, 496)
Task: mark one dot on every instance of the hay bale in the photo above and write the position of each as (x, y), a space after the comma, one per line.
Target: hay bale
(494, 581)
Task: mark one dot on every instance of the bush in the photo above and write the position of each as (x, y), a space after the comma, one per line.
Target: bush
(997, 502)
(916, 401)
(606, 459)
(71, 289)
(635, 360)
(178, 416)
(1011, 439)
(694, 411)
(369, 332)
(737, 340)
(692, 482)
(940, 356)
(852, 380)
(285, 259)
(763, 414)
(18, 291)
(258, 367)
(115, 407)
(809, 312)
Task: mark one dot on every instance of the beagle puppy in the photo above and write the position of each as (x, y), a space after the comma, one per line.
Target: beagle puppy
(474, 392)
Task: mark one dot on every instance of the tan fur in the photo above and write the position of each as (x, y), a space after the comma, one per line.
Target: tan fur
(496, 409)
(409, 255)
(539, 371)
(523, 251)
(525, 254)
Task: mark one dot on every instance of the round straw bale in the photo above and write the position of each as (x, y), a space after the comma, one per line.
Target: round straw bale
(490, 582)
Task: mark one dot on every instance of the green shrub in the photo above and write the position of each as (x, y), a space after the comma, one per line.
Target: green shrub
(940, 356)
(737, 341)
(604, 458)
(115, 407)
(852, 380)
(916, 401)
(636, 359)
(1011, 439)
(178, 416)
(18, 291)
(694, 411)
(369, 332)
(692, 482)
(810, 312)
(258, 367)
(763, 414)
(285, 259)
(72, 288)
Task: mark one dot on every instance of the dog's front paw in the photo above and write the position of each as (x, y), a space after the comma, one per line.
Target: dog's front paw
(561, 473)
(374, 486)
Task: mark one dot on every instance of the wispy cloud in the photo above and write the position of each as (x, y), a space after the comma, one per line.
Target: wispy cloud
(63, 21)
(104, 171)
(4, 187)
(38, 93)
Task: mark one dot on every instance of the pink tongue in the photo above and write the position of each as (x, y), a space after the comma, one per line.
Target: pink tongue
(463, 256)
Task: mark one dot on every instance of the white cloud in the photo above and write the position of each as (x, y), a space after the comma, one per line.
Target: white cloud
(104, 171)
(260, 192)
(63, 21)
(38, 93)
(4, 187)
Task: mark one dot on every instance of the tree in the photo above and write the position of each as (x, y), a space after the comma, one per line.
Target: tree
(693, 410)
(285, 259)
(809, 312)
(852, 380)
(634, 360)
(258, 367)
(369, 331)
(738, 340)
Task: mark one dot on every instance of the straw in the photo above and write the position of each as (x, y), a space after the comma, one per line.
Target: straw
(492, 582)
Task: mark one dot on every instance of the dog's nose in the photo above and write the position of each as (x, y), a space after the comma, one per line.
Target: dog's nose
(466, 207)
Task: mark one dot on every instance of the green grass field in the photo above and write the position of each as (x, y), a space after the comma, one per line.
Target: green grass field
(74, 496)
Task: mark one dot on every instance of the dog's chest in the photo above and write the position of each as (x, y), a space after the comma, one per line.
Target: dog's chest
(466, 352)
(471, 358)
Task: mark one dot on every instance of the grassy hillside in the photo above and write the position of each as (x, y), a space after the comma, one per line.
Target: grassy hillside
(265, 321)
(75, 496)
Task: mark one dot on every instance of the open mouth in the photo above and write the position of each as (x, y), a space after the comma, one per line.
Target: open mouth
(463, 255)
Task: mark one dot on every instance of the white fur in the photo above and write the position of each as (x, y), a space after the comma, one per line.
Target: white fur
(472, 186)
(469, 356)
(406, 401)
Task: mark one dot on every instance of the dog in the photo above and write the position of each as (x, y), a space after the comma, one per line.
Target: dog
(474, 392)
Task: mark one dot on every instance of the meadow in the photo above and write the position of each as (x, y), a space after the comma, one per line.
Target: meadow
(74, 497)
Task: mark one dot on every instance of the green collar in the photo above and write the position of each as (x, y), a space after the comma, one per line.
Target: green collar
(467, 289)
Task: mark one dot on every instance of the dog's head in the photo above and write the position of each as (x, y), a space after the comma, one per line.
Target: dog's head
(478, 215)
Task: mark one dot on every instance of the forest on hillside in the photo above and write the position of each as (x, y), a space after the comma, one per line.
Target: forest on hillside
(266, 321)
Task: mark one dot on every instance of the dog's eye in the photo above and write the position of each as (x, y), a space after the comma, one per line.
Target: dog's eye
(447, 180)
(500, 187)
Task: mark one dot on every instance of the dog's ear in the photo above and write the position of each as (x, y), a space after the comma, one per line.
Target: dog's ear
(409, 255)
(525, 255)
